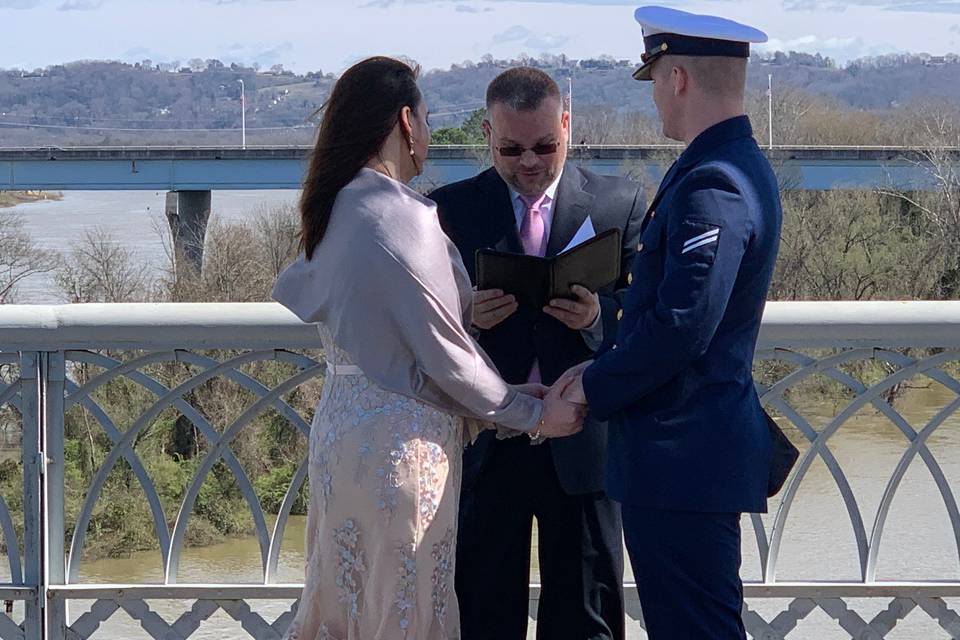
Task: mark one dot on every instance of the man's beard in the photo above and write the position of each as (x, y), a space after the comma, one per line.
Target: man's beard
(546, 179)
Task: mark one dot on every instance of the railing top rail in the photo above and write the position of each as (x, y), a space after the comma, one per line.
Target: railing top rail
(300, 150)
(258, 326)
(153, 327)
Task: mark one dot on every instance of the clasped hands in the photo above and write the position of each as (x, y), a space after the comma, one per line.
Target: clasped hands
(564, 406)
(564, 403)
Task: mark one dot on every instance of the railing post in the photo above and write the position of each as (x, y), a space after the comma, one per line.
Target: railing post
(53, 366)
(31, 413)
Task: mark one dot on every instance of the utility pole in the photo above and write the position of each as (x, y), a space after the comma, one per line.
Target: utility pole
(243, 113)
(570, 108)
(770, 106)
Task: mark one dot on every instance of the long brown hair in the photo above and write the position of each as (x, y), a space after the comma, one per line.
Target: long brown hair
(362, 110)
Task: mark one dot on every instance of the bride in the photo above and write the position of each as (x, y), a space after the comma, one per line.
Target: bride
(406, 384)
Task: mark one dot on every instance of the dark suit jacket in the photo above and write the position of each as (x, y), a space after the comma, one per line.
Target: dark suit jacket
(687, 431)
(477, 213)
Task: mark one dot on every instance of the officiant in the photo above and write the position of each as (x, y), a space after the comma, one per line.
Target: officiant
(532, 202)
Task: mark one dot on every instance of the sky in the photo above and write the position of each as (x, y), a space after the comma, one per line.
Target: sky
(329, 35)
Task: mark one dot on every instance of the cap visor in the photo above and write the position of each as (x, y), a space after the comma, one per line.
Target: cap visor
(643, 73)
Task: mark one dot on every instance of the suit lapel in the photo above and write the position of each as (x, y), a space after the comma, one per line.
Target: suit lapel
(570, 210)
(499, 212)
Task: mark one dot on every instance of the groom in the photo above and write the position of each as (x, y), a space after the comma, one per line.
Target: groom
(532, 202)
(689, 446)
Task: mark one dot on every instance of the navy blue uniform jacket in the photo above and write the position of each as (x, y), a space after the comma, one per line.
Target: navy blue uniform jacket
(687, 431)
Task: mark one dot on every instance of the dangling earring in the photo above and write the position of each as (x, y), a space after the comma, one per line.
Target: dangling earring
(413, 157)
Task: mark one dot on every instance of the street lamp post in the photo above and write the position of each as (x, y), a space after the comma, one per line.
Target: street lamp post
(243, 113)
(770, 107)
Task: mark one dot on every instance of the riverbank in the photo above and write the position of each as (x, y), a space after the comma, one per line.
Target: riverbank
(13, 198)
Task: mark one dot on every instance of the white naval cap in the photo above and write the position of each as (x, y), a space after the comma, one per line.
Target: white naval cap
(671, 31)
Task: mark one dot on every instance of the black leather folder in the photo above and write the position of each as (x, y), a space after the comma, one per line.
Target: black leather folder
(535, 281)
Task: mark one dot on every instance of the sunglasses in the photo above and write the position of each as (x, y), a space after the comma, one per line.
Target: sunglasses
(514, 151)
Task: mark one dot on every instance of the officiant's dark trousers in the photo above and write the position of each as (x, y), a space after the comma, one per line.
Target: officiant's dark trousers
(580, 551)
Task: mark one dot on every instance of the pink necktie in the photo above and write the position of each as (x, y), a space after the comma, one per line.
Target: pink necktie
(532, 229)
(532, 236)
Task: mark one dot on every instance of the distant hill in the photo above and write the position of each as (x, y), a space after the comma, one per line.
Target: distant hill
(104, 103)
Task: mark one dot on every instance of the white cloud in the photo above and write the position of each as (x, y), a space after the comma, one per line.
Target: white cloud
(307, 34)
(466, 8)
(80, 5)
(516, 33)
(263, 53)
(838, 48)
(922, 6)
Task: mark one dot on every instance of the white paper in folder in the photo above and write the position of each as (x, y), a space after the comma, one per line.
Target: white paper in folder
(584, 233)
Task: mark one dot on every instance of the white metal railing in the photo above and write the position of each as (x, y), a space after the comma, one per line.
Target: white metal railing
(309, 147)
(42, 349)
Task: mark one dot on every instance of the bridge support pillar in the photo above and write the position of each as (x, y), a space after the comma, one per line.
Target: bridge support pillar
(188, 213)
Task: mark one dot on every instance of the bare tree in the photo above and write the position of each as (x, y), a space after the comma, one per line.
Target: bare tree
(20, 256)
(100, 268)
(936, 127)
(278, 229)
(850, 245)
(607, 126)
(234, 268)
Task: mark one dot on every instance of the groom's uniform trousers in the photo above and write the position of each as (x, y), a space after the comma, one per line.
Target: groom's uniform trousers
(689, 448)
(507, 483)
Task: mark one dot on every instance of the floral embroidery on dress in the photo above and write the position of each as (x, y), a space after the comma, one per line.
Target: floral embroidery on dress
(325, 633)
(432, 460)
(407, 585)
(350, 566)
(348, 402)
(442, 575)
(389, 475)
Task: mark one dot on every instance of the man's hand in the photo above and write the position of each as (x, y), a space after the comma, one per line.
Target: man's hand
(576, 314)
(573, 392)
(561, 418)
(574, 371)
(491, 307)
(572, 383)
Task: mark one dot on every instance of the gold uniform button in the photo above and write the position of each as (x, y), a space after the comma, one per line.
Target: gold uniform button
(629, 278)
(620, 314)
(653, 214)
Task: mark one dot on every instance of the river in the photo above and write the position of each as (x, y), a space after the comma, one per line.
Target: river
(918, 543)
(134, 218)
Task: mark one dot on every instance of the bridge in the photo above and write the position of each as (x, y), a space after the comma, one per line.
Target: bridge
(191, 174)
(212, 168)
(860, 577)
